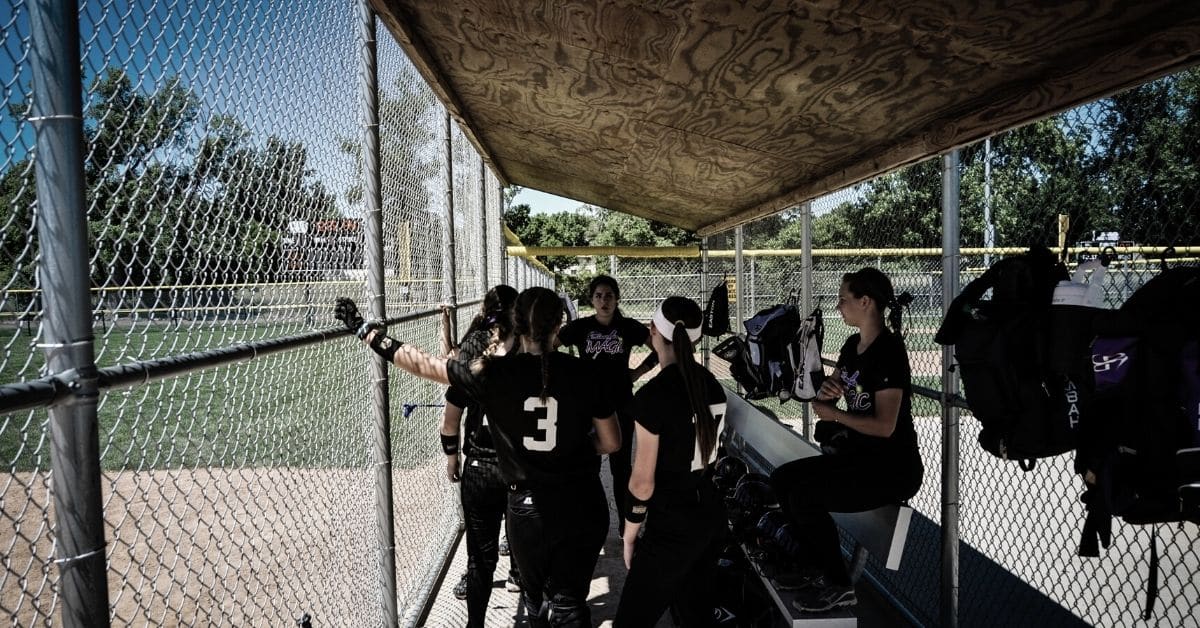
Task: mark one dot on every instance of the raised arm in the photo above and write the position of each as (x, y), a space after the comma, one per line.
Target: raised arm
(373, 334)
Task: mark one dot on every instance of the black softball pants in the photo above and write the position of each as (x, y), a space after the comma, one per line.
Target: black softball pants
(484, 499)
(810, 488)
(555, 535)
(675, 561)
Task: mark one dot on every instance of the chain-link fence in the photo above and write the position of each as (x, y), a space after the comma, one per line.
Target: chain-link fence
(1121, 172)
(227, 185)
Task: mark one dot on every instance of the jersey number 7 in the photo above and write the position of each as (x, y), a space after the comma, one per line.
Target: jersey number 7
(547, 422)
(718, 412)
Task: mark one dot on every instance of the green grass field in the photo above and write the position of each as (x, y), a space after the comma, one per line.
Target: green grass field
(303, 408)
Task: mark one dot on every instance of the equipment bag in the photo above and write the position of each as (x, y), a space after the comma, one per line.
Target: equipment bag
(716, 312)
(1027, 410)
(769, 336)
(804, 352)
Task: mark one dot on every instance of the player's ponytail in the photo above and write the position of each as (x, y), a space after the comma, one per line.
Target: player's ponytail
(871, 282)
(536, 315)
(683, 317)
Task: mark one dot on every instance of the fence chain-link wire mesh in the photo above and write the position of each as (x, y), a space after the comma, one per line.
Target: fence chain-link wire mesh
(224, 196)
(1125, 171)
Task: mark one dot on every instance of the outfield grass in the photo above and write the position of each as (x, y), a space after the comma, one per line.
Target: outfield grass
(304, 408)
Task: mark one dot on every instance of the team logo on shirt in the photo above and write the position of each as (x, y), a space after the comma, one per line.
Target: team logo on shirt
(857, 399)
(598, 342)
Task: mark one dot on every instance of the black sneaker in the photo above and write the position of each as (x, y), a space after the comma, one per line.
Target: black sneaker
(802, 579)
(820, 600)
(460, 589)
(511, 585)
(503, 549)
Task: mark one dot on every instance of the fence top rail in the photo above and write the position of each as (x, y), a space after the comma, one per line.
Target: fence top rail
(694, 251)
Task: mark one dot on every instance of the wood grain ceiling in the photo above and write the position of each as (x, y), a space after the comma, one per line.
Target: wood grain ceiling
(707, 114)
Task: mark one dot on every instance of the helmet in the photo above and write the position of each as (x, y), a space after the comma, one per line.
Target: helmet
(787, 540)
(752, 497)
(768, 525)
(726, 473)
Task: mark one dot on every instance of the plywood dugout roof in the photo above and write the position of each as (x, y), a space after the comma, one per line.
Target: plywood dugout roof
(707, 114)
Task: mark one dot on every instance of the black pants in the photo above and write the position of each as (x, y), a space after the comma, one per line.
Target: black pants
(484, 500)
(810, 488)
(675, 560)
(620, 466)
(555, 534)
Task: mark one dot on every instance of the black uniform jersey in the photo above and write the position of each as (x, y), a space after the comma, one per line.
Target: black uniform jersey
(883, 365)
(663, 408)
(477, 439)
(538, 442)
(609, 346)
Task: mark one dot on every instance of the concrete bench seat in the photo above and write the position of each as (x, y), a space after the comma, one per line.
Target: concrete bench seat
(765, 443)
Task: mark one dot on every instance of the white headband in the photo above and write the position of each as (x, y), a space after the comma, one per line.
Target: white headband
(667, 328)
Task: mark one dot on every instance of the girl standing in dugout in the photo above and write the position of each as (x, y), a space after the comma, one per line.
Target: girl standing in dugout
(608, 337)
(549, 425)
(678, 417)
(870, 448)
(482, 489)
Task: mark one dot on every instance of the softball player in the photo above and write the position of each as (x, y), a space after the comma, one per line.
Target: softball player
(678, 417)
(549, 425)
(608, 337)
(483, 490)
(871, 457)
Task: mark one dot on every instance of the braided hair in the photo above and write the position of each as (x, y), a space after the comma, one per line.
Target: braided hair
(536, 315)
(495, 315)
(686, 313)
(871, 282)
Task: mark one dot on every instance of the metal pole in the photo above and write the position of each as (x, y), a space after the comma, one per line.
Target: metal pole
(989, 230)
(57, 118)
(612, 267)
(806, 291)
(950, 454)
(704, 294)
(737, 275)
(753, 286)
(503, 253)
(449, 275)
(373, 258)
(483, 248)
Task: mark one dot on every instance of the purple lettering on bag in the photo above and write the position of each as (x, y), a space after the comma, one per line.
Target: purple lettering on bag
(1111, 358)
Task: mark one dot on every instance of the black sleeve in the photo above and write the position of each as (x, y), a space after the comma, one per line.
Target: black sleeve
(645, 410)
(474, 345)
(570, 333)
(460, 376)
(457, 396)
(893, 368)
(636, 334)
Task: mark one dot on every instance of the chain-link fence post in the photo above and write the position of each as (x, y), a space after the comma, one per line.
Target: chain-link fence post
(806, 291)
(450, 278)
(483, 229)
(753, 284)
(373, 259)
(950, 255)
(704, 344)
(57, 117)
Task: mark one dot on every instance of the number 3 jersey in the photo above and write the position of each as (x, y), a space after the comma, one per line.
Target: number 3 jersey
(538, 442)
(663, 408)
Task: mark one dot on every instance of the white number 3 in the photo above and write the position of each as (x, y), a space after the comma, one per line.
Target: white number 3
(547, 423)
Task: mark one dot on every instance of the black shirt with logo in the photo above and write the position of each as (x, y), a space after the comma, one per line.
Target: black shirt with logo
(882, 366)
(663, 408)
(538, 443)
(609, 346)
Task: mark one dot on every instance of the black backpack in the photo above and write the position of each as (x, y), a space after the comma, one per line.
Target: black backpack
(1002, 344)
(1139, 450)
(716, 312)
(762, 360)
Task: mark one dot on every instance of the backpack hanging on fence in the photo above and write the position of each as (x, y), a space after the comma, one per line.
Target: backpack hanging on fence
(716, 312)
(1002, 344)
(1139, 451)
(761, 361)
(805, 354)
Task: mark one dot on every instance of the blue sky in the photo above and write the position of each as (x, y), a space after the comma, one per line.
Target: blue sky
(543, 203)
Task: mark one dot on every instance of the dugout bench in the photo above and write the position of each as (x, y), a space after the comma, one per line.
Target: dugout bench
(764, 443)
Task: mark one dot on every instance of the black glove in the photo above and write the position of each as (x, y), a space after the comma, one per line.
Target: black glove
(346, 311)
